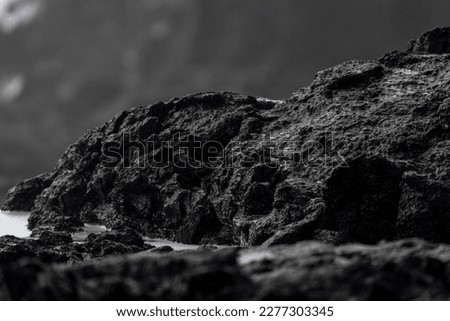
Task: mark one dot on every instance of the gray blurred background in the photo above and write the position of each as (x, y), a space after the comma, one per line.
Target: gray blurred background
(70, 65)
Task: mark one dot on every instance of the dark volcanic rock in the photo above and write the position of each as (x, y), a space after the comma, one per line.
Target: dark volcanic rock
(22, 196)
(162, 249)
(114, 243)
(436, 41)
(58, 247)
(127, 237)
(402, 270)
(55, 238)
(362, 155)
(13, 249)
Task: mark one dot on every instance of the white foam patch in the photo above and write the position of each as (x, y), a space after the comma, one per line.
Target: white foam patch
(88, 229)
(14, 223)
(176, 246)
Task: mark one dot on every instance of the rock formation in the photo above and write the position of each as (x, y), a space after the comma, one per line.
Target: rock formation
(362, 155)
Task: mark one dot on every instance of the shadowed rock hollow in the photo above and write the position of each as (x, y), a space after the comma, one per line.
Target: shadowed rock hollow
(361, 155)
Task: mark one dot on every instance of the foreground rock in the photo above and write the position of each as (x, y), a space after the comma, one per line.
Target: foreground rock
(58, 247)
(362, 155)
(402, 270)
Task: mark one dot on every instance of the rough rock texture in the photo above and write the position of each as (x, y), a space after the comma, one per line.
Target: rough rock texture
(436, 41)
(21, 197)
(361, 155)
(402, 270)
(58, 247)
(133, 52)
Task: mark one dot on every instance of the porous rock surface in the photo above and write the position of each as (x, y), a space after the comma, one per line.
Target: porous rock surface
(361, 155)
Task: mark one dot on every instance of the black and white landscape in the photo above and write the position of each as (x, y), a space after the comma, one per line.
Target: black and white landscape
(339, 192)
